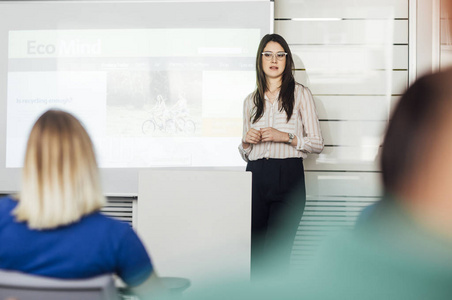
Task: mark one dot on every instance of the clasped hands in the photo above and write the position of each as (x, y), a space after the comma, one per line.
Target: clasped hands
(267, 134)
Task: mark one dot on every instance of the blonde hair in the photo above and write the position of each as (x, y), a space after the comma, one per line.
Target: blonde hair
(60, 180)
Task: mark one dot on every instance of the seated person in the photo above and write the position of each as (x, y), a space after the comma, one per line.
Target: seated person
(402, 247)
(53, 227)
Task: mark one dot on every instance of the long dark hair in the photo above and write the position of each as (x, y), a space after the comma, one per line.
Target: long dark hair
(286, 94)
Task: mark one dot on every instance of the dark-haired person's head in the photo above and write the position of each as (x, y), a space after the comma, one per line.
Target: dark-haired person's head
(289, 59)
(416, 157)
(264, 62)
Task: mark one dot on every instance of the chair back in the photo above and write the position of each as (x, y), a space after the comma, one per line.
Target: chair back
(20, 286)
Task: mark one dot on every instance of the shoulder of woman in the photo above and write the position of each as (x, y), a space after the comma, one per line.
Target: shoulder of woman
(7, 203)
(300, 89)
(298, 85)
(249, 99)
(250, 96)
(103, 221)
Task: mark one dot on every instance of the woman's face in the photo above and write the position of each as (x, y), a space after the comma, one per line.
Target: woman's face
(273, 67)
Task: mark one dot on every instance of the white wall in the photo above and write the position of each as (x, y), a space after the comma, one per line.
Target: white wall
(354, 56)
(445, 59)
(427, 36)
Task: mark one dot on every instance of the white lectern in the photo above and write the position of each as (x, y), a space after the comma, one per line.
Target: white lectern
(196, 224)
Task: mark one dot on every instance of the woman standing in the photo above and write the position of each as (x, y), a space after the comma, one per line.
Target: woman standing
(280, 126)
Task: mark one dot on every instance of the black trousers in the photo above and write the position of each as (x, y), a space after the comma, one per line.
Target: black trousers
(278, 201)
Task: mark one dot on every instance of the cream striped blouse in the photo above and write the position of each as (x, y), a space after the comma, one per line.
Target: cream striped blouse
(304, 124)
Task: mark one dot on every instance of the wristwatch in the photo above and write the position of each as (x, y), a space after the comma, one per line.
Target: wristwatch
(291, 136)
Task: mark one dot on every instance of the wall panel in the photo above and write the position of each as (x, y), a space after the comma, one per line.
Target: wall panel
(353, 55)
(354, 83)
(354, 107)
(344, 32)
(341, 9)
(350, 57)
(344, 184)
(352, 133)
(344, 158)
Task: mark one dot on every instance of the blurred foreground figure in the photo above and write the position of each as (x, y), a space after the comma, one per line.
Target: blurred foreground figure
(404, 248)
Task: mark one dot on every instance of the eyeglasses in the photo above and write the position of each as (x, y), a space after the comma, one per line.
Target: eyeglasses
(268, 55)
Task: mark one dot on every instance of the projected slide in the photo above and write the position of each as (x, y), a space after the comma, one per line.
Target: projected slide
(156, 83)
(148, 97)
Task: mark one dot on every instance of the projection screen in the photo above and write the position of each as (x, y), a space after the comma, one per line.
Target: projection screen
(157, 84)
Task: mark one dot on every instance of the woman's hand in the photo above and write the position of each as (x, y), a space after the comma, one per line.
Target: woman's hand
(253, 136)
(270, 134)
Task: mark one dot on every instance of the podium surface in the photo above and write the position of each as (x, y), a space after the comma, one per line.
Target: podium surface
(196, 224)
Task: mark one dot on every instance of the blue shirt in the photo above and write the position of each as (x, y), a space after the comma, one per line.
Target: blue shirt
(93, 246)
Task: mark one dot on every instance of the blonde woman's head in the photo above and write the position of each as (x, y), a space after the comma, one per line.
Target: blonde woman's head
(60, 181)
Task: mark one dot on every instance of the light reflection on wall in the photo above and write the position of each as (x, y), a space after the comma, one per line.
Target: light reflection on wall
(352, 67)
(353, 55)
(446, 38)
